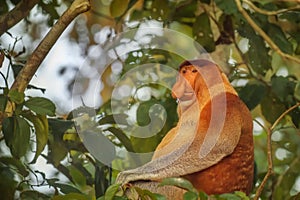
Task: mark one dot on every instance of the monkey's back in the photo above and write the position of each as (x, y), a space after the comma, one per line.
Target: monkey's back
(235, 171)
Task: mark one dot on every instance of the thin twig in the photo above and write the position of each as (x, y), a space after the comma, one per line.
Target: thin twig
(283, 114)
(293, 1)
(269, 151)
(266, 12)
(270, 166)
(261, 125)
(268, 40)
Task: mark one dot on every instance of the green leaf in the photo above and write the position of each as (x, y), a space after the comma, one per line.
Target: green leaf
(33, 195)
(98, 144)
(3, 7)
(57, 151)
(205, 1)
(146, 194)
(252, 93)
(100, 179)
(118, 7)
(160, 10)
(297, 91)
(57, 148)
(202, 32)
(16, 163)
(41, 106)
(16, 132)
(151, 142)
(71, 196)
(122, 137)
(259, 60)
(159, 196)
(149, 194)
(180, 27)
(16, 69)
(3, 102)
(203, 195)
(41, 128)
(16, 96)
(111, 191)
(229, 196)
(185, 10)
(292, 16)
(242, 195)
(271, 108)
(59, 126)
(8, 128)
(114, 119)
(190, 196)
(8, 184)
(229, 7)
(142, 113)
(282, 87)
(279, 38)
(49, 8)
(65, 188)
(179, 182)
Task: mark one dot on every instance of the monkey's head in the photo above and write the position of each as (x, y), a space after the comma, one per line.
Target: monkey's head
(194, 76)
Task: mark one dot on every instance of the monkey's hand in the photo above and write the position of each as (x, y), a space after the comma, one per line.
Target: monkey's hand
(128, 176)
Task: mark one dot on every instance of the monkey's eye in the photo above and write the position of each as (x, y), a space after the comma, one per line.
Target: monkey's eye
(184, 71)
(194, 70)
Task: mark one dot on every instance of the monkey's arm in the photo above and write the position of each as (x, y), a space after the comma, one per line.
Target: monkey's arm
(189, 158)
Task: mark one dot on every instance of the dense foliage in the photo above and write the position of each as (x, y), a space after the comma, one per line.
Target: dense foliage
(257, 44)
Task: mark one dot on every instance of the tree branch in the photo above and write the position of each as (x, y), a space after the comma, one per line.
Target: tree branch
(270, 166)
(263, 34)
(19, 12)
(269, 151)
(283, 114)
(41, 51)
(266, 12)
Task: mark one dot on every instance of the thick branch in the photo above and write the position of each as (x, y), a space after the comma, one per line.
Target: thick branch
(36, 58)
(20, 11)
(268, 40)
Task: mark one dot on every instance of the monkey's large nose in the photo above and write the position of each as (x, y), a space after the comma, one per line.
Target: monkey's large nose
(177, 94)
(178, 89)
(182, 90)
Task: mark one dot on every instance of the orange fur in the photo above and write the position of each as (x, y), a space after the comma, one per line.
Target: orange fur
(212, 144)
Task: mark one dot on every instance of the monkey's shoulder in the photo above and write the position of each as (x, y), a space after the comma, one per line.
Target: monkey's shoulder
(225, 100)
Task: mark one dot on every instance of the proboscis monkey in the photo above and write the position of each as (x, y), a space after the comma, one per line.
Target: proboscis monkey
(212, 144)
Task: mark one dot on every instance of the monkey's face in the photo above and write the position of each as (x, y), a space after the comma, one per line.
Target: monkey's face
(184, 88)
